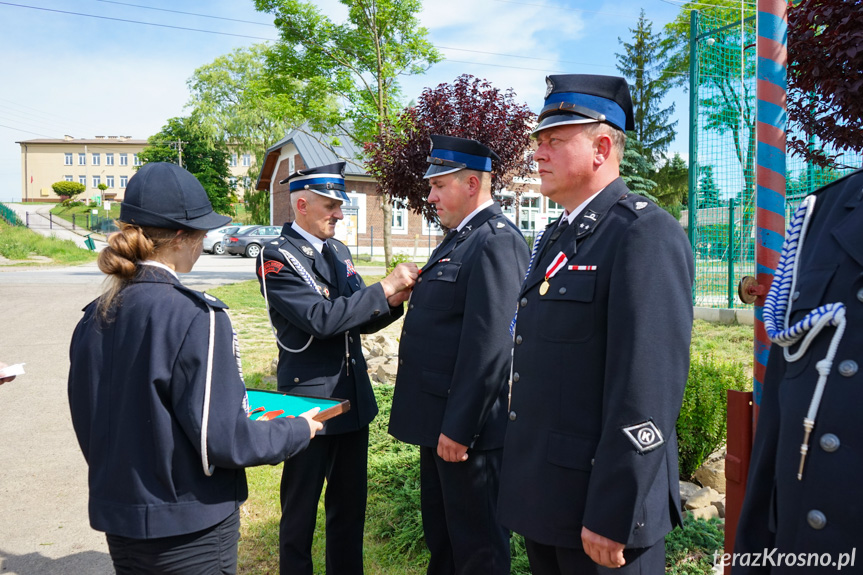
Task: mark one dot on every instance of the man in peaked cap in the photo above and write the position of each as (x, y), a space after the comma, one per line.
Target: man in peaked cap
(454, 352)
(319, 306)
(601, 353)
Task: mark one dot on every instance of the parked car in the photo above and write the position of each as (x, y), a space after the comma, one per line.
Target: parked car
(249, 242)
(213, 240)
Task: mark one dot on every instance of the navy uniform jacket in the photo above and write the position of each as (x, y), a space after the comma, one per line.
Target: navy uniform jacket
(455, 349)
(136, 392)
(333, 364)
(606, 349)
(780, 511)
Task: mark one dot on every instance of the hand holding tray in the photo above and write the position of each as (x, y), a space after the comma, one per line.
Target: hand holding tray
(263, 405)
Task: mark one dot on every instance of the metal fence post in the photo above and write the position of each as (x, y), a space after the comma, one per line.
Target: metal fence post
(730, 253)
(50, 221)
(27, 219)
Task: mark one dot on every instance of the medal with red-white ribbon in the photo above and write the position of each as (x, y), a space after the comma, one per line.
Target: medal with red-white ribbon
(555, 266)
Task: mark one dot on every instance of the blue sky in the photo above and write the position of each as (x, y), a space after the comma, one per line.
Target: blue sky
(64, 73)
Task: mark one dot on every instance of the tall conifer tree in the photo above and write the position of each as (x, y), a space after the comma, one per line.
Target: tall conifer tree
(642, 63)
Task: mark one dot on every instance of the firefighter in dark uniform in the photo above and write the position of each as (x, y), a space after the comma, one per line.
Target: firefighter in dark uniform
(157, 400)
(319, 306)
(454, 355)
(802, 503)
(601, 352)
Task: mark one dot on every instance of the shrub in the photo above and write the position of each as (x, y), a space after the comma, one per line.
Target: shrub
(396, 259)
(702, 422)
(68, 189)
(690, 550)
(394, 515)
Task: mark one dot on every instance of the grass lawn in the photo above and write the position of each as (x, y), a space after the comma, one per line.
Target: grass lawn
(81, 212)
(393, 544)
(19, 243)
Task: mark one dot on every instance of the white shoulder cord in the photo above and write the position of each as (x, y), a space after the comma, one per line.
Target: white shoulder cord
(208, 469)
(298, 267)
(777, 312)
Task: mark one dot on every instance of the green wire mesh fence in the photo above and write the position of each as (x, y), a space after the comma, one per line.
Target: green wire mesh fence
(722, 167)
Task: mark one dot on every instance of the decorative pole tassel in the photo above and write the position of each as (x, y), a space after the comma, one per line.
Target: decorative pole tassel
(808, 424)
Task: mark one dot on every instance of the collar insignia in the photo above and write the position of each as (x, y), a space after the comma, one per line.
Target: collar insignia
(308, 251)
(640, 205)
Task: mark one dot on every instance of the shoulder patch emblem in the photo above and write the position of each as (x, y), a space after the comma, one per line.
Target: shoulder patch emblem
(308, 251)
(274, 242)
(501, 225)
(645, 436)
(640, 205)
(270, 266)
(209, 297)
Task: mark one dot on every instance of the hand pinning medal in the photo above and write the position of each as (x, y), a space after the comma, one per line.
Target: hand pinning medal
(555, 266)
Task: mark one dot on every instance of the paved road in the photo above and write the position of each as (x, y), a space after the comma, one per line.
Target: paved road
(44, 527)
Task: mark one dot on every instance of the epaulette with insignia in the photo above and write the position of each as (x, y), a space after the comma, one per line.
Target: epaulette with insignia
(210, 300)
(637, 204)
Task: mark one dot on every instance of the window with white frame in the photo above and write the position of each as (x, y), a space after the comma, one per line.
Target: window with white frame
(109, 159)
(109, 181)
(68, 178)
(96, 159)
(232, 182)
(430, 228)
(67, 159)
(358, 201)
(247, 160)
(247, 182)
(96, 181)
(82, 159)
(554, 209)
(528, 211)
(400, 217)
(136, 160)
(233, 161)
(82, 180)
(124, 159)
(123, 181)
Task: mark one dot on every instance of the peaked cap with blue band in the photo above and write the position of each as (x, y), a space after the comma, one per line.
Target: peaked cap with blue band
(327, 181)
(450, 154)
(585, 99)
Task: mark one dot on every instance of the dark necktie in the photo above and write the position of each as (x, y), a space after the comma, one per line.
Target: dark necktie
(554, 235)
(327, 266)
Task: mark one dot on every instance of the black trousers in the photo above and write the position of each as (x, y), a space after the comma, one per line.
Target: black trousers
(549, 560)
(341, 460)
(212, 551)
(459, 507)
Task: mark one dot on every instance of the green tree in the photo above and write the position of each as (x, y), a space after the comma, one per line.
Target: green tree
(637, 168)
(357, 62)
(672, 184)
(185, 142)
(68, 190)
(726, 103)
(232, 98)
(643, 63)
(708, 191)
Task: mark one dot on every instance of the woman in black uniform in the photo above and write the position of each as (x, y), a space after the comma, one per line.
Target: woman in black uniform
(157, 400)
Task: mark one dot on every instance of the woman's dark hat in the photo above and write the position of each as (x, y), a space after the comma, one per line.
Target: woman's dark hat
(164, 195)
